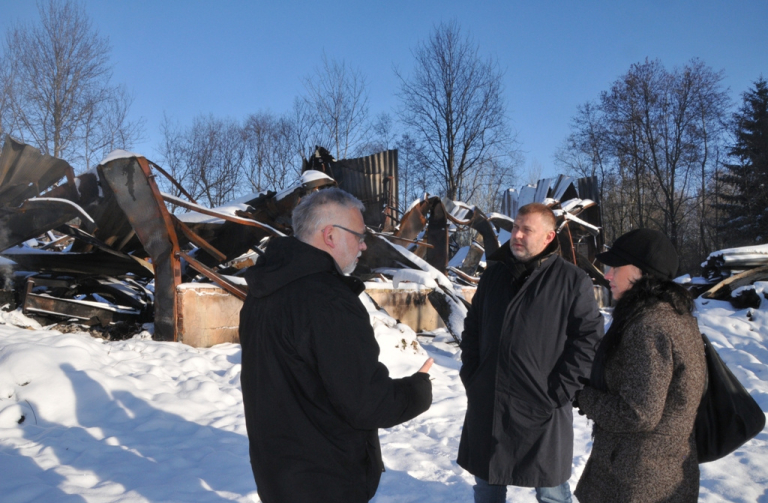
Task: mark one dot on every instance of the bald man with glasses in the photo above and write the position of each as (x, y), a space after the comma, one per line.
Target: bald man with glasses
(314, 391)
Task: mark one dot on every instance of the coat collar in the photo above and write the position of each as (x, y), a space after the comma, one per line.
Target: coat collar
(286, 260)
(505, 256)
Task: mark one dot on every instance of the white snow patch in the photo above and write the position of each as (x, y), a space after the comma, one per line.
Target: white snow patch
(422, 278)
(144, 421)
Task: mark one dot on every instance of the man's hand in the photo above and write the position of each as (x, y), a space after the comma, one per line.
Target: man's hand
(427, 365)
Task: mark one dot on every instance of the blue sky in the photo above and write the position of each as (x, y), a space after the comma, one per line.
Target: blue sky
(233, 58)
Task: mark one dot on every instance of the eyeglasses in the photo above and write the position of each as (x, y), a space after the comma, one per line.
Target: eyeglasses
(360, 235)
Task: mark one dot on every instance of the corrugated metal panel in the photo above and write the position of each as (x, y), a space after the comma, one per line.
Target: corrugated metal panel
(365, 178)
(509, 204)
(527, 195)
(561, 186)
(542, 190)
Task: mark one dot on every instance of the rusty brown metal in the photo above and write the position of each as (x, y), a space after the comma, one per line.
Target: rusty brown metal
(218, 214)
(25, 172)
(414, 220)
(96, 262)
(140, 199)
(173, 181)
(33, 218)
(124, 220)
(373, 179)
(399, 239)
(72, 308)
(198, 241)
(437, 236)
(213, 276)
(389, 211)
(567, 250)
(466, 277)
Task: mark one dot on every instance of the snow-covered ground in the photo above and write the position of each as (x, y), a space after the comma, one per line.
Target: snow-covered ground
(83, 420)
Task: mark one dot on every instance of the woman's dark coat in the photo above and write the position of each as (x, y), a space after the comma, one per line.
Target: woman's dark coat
(313, 389)
(644, 448)
(526, 350)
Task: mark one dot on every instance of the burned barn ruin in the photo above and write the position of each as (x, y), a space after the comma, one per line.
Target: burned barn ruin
(109, 250)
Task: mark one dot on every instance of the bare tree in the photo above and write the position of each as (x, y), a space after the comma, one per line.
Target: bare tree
(653, 139)
(382, 135)
(453, 105)
(584, 152)
(661, 122)
(207, 159)
(412, 177)
(336, 95)
(172, 153)
(272, 160)
(5, 80)
(59, 93)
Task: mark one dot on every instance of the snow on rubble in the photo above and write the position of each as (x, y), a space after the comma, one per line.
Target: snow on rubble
(86, 420)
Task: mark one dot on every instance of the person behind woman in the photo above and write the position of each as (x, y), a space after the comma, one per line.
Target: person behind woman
(646, 383)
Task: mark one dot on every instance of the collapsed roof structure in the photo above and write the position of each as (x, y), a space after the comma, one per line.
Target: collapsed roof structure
(103, 247)
(731, 275)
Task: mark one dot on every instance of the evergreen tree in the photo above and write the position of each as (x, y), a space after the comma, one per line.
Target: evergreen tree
(747, 175)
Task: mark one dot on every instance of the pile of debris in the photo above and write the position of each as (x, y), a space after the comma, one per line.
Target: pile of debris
(103, 249)
(731, 274)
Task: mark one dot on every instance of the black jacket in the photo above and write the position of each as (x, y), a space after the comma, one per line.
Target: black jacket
(313, 389)
(526, 350)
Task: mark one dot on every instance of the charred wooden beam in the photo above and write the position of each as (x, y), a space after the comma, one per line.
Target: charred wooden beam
(723, 290)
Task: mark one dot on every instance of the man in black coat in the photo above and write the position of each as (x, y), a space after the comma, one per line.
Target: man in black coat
(314, 391)
(527, 348)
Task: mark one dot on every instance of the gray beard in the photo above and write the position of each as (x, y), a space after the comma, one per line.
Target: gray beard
(350, 268)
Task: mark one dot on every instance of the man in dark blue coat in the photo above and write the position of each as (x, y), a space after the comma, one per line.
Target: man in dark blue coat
(314, 391)
(527, 348)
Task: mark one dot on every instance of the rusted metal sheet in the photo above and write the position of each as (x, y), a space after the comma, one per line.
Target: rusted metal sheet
(96, 262)
(146, 270)
(25, 172)
(198, 241)
(381, 254)
(102, 313)
(110, 225)
(138, 196)
(373, 179)
(230, 287)
(33, 218)
(437, 236)
(69, 308)
(415, 219)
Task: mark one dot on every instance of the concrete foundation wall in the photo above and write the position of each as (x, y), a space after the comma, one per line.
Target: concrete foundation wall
(207, 315)
(411, 307)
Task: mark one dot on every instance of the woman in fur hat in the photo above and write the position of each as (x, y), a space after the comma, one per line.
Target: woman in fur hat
(646, 382)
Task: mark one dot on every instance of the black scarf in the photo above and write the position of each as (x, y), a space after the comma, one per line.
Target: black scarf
(521, 271)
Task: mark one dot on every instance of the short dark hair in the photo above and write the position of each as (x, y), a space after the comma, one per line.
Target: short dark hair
(543, 210)
(311, 212)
